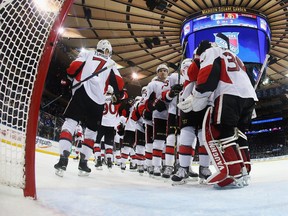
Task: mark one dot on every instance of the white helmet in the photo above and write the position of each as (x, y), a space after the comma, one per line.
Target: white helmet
(162, 66)
(143, 89)
(104, 45)
(110, 90)
(186, 63)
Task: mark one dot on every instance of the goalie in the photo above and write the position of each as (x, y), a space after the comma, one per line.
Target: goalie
(223, 79)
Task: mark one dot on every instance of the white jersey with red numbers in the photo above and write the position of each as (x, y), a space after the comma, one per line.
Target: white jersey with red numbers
(110, 112)
(97, 85)
(223, 72)
(154, 89)
(130, 124)
(171, 80)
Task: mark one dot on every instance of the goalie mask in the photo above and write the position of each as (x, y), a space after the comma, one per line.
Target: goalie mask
(185, 65)
(105, 47)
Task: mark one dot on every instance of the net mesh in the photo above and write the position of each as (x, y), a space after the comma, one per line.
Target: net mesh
(25, 26)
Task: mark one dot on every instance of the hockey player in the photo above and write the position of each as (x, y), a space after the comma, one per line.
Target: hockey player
(78, 139)
(222, 76)
(191, 124)
(174, 83)
(160, 114)
(87, 101)
(139, 140)
(129, 135)
(106, 131)
(148, 133)
(118, 139)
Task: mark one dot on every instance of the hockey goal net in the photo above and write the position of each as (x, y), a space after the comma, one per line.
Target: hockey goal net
(27, 41)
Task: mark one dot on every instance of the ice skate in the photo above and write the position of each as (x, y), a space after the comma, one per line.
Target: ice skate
(98, 164)
(141, 170)
(132, 167)
(157, 172)
(150, 170)
(180, 177)
(193, 176)
(84, 170)
(123, 167)
(204, 173)
(61, 166)
(167, 172)
(236, 184)
(109, 163)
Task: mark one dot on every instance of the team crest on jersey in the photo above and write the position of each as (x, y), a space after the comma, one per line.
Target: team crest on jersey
(233, 40)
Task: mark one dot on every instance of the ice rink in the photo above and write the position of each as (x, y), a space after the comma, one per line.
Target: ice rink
(116, 193)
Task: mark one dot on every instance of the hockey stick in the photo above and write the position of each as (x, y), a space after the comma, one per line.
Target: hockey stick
(95, 73)
(264, 65)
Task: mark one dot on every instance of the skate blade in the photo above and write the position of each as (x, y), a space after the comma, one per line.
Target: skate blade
(141, 174)
(165, 180)
(182, 182)
(99, 168)
(192, 179)
(59, 172)
(83, 173)
(156, 177)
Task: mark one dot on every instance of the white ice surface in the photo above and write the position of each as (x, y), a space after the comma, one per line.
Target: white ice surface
(116, 193)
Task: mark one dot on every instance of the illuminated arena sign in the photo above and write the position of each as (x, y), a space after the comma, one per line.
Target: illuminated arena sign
(249, 34)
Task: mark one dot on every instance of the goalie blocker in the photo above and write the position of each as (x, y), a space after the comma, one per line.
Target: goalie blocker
(232, 163)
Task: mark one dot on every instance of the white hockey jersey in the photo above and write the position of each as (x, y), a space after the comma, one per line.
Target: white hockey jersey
(154, 89)
(231, 79)
(171, 80)
(96, 86)
(110, 112)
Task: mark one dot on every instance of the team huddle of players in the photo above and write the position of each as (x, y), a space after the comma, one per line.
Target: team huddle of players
(205, 107)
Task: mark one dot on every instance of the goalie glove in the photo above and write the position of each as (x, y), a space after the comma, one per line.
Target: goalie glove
(196, 102)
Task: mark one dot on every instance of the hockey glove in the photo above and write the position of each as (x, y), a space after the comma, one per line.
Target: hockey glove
(193, 103)
(205, 44)
(120, 129)
(115, 99)
(159, 105)
(135, 115)
(147, 115)
(175, 90)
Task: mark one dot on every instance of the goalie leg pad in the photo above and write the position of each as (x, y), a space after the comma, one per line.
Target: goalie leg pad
(213, 149)
(223, 153)
(234, 163)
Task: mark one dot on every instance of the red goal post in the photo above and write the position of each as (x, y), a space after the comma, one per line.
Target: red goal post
(29, 30)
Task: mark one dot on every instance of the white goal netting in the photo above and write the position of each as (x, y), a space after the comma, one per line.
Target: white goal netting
(25, 27)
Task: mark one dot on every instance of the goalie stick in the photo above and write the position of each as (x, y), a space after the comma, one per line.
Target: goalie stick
(95, 73)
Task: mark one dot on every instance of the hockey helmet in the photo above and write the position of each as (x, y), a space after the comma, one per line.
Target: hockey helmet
(186, 63)
(162, 66)
(143, 90)
(104, 45)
